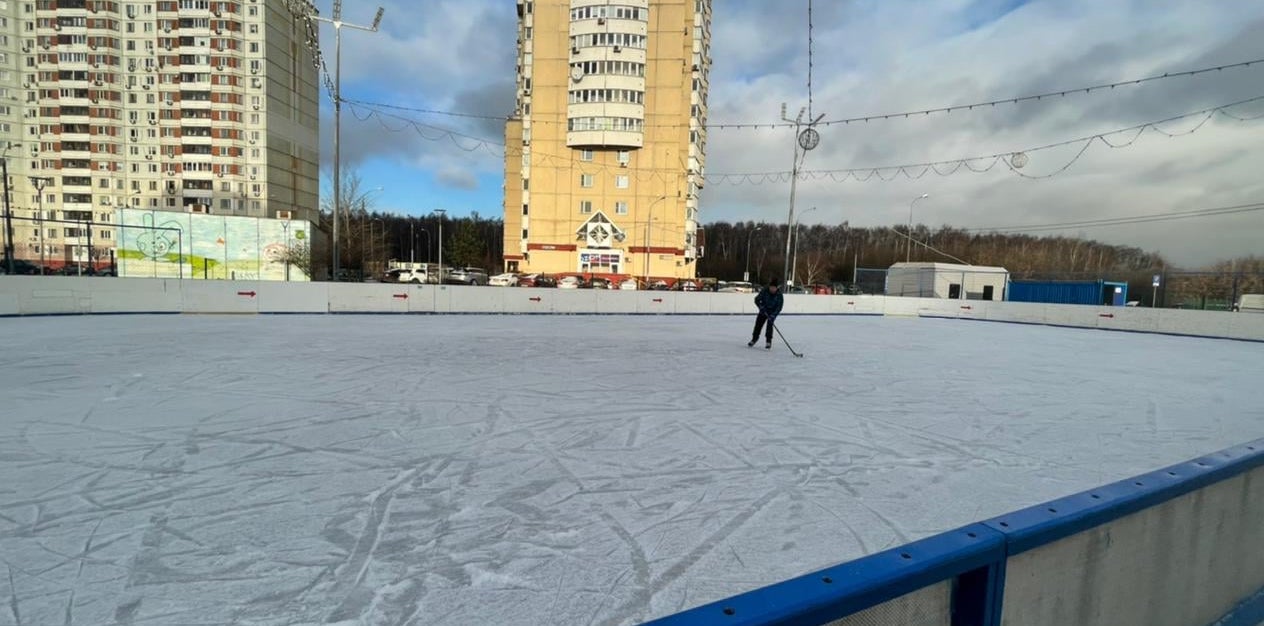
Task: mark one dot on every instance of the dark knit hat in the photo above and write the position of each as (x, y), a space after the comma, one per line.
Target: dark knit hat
(775, 282)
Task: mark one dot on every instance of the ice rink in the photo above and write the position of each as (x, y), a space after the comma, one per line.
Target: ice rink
(172, 470)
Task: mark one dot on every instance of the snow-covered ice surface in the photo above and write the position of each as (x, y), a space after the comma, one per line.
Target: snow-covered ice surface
(545, 470)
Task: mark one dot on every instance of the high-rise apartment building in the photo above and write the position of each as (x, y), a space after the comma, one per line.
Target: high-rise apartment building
(605, 154)
(206, 106)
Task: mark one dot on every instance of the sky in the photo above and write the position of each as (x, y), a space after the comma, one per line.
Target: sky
(870, 57)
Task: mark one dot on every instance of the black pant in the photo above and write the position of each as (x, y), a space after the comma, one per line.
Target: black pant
(759, 325)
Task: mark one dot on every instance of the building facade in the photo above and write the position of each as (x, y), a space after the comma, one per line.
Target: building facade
(605, 154)
(197, 106)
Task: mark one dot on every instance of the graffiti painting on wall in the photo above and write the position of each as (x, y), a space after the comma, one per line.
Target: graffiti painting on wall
(158, 244)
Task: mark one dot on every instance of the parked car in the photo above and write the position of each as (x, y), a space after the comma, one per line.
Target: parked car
(737, 287)
(629, 284)
(397, 275)
(687, 285)
(598, 282)
(659, 285)
(1250, 303)
(503, 280)
(537, 280)
(467, 276)
(20, 267)
(570, 282)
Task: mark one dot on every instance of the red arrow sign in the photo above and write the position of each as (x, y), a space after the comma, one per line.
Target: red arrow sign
(851, 304)
(967, 308)
(535, 299)
(1110, 315)
(658, 300)
(401, 296)
(247, 293)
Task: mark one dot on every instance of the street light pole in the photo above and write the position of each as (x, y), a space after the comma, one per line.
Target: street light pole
(746, 274)
(649, 218)
(806, 139)
(441, 213)
(40, 182)
(794, 265)
(8, 211)
(908, 248)
(288, 250)
(336, 20)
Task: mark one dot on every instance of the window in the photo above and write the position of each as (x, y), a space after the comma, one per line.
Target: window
(621, 208)
(624, 157)
(524, 210)
(524, 233)
(585, 206)
(621, 182)
(586, 181)
(586, 155)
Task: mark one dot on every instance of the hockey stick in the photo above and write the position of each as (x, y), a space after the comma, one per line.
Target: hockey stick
(783, 339)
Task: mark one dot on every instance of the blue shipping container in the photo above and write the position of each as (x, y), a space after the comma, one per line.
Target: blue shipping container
(1094, 293)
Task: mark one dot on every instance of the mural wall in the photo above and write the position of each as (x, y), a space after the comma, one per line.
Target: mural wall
(160, 244)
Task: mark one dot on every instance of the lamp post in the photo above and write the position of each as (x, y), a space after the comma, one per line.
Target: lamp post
(746, 274)
(288, 251)
(40, 182)
(795, 263)
(441, 213)
(412, 242)
(8, 212)
(373, 242)
(908, 249)
(336, 20)
(806, 139)
(649, 218)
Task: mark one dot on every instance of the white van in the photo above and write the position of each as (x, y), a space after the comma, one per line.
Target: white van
(1250, 303)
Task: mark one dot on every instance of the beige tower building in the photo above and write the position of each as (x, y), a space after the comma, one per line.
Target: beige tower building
(205, 106)
(605, 155)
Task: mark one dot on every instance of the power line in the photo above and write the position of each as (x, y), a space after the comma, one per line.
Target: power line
(1013, 160)
(1121, 221)
(862, 119)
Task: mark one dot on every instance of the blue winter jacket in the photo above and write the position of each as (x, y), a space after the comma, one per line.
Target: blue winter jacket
(769, 303)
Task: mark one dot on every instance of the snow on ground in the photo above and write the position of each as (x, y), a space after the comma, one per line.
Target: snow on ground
(271, 471)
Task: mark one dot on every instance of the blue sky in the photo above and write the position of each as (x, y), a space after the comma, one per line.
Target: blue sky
(872, 57)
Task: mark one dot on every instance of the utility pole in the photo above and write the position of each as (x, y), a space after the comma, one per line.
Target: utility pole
(806, 139)
(336, 20)
(908, 247)
(40, 182)
(441, 213)
(746, 274)
(8, 211)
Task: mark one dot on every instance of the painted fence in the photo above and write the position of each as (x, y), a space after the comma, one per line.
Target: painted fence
(64, 295)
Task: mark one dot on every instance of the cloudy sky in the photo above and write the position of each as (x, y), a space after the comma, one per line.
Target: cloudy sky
(872, 57)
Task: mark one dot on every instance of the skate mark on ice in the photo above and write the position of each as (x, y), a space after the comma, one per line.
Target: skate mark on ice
(14, 608)
(634, 433)
(716, 445)
(637, 605)
(125, 614)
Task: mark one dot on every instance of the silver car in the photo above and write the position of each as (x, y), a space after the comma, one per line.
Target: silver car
(467, 276)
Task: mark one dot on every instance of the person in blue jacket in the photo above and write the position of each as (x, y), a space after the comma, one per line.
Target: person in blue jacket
(769, 302)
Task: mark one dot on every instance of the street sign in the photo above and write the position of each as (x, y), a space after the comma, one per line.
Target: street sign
(1157, 280)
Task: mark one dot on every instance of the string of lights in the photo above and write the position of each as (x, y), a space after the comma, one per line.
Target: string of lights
(1123, 221)
(988, 104)
(1014, 161)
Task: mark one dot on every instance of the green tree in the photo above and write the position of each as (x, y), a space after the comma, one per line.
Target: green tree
(466, 245)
